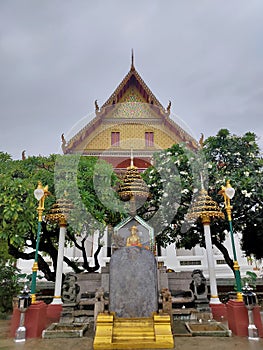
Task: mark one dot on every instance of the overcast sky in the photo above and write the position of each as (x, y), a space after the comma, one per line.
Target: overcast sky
(58, 56)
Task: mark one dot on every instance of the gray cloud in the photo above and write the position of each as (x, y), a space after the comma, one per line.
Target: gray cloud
(57, 57)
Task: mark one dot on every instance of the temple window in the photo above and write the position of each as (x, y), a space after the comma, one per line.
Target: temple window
(149, 139)
(115, 139)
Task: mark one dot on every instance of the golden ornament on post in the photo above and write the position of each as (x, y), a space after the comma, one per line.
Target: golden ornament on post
(206, 209)
(133, 188)
(59, 213)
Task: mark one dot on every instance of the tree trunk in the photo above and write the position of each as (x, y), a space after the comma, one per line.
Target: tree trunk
(42, 265)
(224, 251)
(96, 261)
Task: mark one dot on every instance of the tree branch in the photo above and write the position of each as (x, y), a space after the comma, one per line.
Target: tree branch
(42, 265)
(224, 251)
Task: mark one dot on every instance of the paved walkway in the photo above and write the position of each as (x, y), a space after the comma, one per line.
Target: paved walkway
(85, 343)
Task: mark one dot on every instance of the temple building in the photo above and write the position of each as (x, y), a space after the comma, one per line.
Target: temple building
(131, 118)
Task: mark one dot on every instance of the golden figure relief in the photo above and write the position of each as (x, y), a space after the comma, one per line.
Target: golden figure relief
(133, 239)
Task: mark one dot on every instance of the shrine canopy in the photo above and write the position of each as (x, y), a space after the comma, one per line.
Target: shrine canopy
(123, 230)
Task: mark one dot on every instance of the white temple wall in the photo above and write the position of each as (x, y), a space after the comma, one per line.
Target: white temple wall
(175, 259)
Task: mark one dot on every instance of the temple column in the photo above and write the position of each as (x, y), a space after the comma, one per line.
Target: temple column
(210, 261)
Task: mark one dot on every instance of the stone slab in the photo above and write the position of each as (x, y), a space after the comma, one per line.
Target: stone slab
(61, 330)
(133, 283)
(212, 329)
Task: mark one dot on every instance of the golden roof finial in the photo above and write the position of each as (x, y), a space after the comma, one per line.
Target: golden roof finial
(168, 109)
(63, 146)
(132, 61)
(201, 141)
(97, 108)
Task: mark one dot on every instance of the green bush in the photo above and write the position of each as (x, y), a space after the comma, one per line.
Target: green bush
(9, 287)
(251, 279)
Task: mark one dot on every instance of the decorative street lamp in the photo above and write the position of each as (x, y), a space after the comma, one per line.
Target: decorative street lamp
(59, 213)
(205, 209)
(40, 194)
(228, 193)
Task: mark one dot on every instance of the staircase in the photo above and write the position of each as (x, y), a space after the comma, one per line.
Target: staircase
(129, 331)
(133, 333)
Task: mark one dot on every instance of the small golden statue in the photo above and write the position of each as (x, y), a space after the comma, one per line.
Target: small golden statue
(133, 239)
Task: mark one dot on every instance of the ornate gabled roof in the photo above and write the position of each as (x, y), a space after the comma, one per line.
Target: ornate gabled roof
(132, 78)
(146, 106)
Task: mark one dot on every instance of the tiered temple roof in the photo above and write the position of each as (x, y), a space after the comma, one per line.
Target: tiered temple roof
(131, 105)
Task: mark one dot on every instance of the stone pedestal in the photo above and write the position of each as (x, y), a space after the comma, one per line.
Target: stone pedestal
(162, 278)
(105, 282)
(202, 305)
(68, 313)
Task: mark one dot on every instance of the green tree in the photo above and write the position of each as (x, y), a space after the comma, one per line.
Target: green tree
(238, 159)
(91, 187)
(9, 286)
(174, 180)
(9, 280)
(18, 216)
(172, 183)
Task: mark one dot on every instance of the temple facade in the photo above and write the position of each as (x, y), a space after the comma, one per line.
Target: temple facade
(131, 118)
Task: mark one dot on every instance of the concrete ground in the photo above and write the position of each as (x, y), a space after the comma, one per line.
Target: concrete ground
(85, 343)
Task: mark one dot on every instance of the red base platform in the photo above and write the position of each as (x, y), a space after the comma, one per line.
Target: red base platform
(35, 320)
(219, 311)
(237, 316)
(53, 313)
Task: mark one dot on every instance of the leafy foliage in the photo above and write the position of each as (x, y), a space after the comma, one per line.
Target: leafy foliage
(238, 159)
(18, 215)
(251, 279)
(174, 180)
(9, 286)
(171, 182)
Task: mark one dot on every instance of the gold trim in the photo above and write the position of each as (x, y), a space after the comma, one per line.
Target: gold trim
(35, 267)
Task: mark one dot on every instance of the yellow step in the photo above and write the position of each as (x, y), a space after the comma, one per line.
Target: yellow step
(133, 322)
(136, 345)
(133, 333)
(133, 341)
